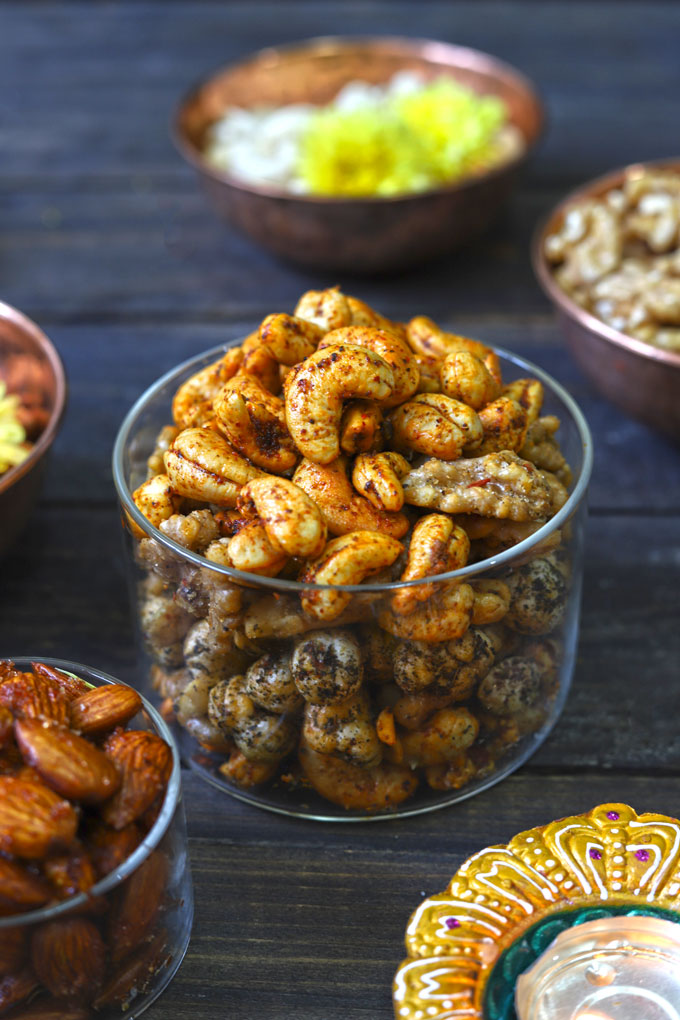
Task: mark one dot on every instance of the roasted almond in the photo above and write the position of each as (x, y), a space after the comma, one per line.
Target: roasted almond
(6, 724)
(49, 1009)
(15, 988)
(20, 889)
(33, 819)
(145, 763)
(69, 958)
(104, 708)
(109, 847)
(67, 763)
(31, 697)
(71, 685)
(70, 874)
(12, 950)
(7, 670)
(141, 897)
(134, 974)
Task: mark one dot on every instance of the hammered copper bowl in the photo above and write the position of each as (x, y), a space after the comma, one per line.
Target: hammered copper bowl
(643, 380)
(363, 235)
(31, 368)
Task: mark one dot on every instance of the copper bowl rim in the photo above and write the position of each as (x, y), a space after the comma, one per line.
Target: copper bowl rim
(428, 49)
(562, 300)
(48, 434)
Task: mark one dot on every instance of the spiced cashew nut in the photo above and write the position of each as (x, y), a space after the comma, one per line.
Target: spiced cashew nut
(390, 348)
(377, 477)
(202, 465)
(292, 520)
(346, 560)
(437, 546)
(315, 391)
(444, 617)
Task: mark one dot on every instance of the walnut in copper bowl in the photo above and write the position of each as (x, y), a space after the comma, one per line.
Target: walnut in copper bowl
(33, 389)
(608, 257)
(358, 233)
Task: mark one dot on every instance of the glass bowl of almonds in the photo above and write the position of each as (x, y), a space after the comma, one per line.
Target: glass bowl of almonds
(355, 549)
(96, 901)
(608, 257)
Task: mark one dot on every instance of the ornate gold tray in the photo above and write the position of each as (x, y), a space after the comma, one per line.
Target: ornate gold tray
(505, 905)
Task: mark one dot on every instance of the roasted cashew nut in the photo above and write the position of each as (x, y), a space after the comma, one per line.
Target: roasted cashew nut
(192, 403)
(344, 729)
(343, 509)
(315, 391)
(260, 735)
(390, 348)
(252, 550)
(542, 449)
(459, 413)
(360, 427)
(259, 364)
(283, 617)
(492, 600)
(437, 547)
(346, 560)
(496, 485)
(427, 339)
(292, 520)
(289, 339)
(436, 425)
(157, 500)
(529, 394)
(328, 308)
(355, 787)
(448, 732)
(253, 390)
(466, 378)
(429, 375)
(164, 440)
(258, 434)
(505, 424)
(269, 682)
(444, 617)
(538, 593)
(377, 477)
(202, 465)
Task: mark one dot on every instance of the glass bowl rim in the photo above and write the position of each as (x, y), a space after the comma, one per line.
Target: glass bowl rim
(283, 585)
(153, 836)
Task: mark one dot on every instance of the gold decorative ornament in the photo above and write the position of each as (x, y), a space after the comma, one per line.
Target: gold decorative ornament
(467, 946)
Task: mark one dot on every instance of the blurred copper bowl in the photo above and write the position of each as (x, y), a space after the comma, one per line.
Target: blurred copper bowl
(362, 235)
(641, 379)
(32, 369)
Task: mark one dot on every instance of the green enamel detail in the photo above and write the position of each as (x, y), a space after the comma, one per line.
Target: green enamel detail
(499, 994)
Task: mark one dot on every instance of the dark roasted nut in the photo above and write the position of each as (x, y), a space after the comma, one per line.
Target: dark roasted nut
(67, 763)
(15, 988)
(31, 697)
(70, 874)
(134, 974)
(33, 819)
(145, 764)
(104, 708)
(141, 897)
(69, 958)
(70, 684)
(109, 847)
(20, 888)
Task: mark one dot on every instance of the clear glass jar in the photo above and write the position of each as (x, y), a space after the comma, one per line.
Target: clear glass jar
(156, 880)
(199, 623)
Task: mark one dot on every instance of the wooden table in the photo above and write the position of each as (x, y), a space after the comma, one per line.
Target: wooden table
(107, 242)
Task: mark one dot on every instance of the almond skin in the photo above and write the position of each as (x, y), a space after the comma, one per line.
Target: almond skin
(12, 949)
(72, 686)
(67, 763)
(15, 988)
(33, 819)
(6, 724)
(32, 697)
(141, 897)
(69, 958)
(20, 890)
(135, 973)
(104, 708)
(145, 763)
(109, 847)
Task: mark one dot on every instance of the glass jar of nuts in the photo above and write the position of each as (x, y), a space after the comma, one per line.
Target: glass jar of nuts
(356, 554)
(96, 901)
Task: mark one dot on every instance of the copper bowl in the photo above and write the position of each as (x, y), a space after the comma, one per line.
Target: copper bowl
(357, 235)
(641, 379)
(32, 369)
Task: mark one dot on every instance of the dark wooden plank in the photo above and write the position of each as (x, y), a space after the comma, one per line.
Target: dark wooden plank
(113, 72)
(316, 932)
(63, 594)
(108, 367)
